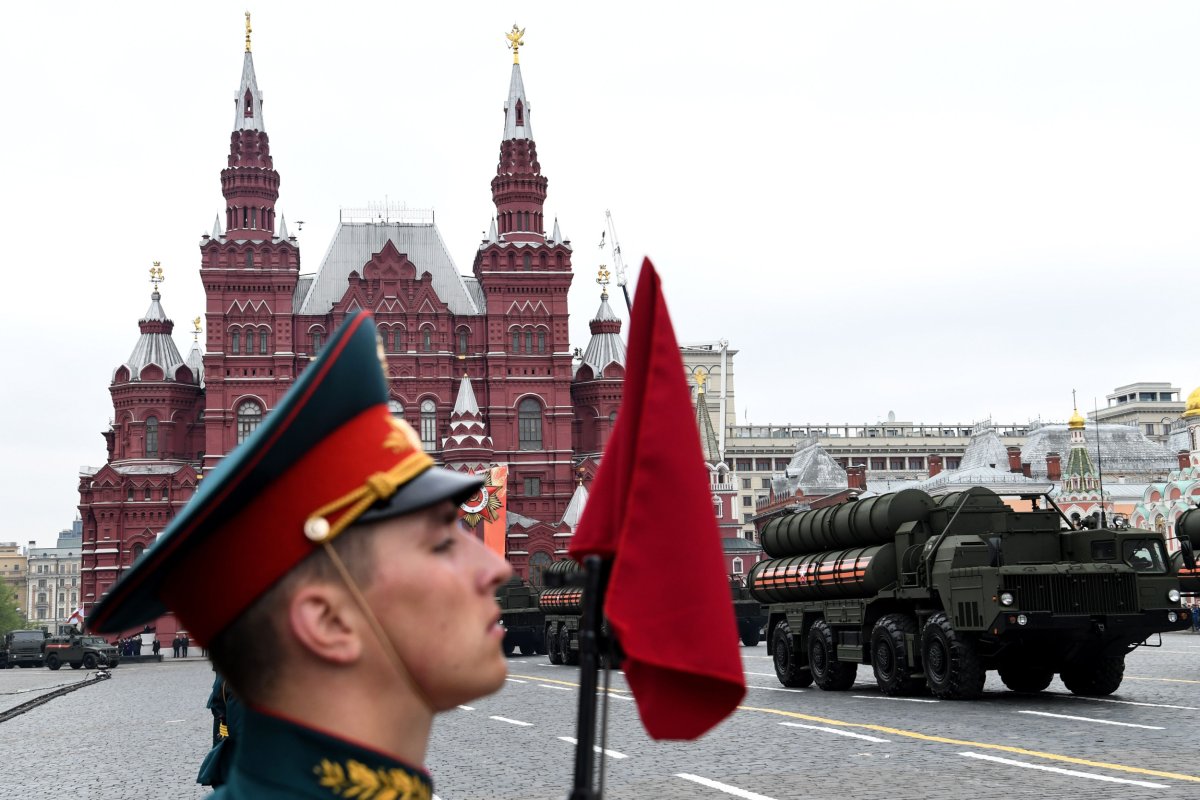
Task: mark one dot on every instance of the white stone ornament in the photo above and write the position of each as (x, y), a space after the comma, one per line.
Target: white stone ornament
(316, 529)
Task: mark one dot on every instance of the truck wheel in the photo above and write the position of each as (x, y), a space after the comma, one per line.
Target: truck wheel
(552, 645)
(827, 672)
(569, 656)
(76, 664)
(1026, 677)
(749, 634)
(52, 662)
(1095, 677)
(889, 655)
(509, 648)
(89, 661)
(952, 667)
(788, 668)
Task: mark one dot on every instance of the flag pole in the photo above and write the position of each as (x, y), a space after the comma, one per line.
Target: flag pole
(595, 581)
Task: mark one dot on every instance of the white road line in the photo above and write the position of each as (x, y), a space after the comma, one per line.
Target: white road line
(764, 674)
(885, 697)
(776, 689)
(1129, 702)
(615, 696)
(467, 708)
(512, 721)
(560, 688)
(514, 680)
(722, 787)
(769, 658)
(1092, 719)
(851, 734)
(540, 664)
(170, 721)
(1061, 771)
(609, 753)
(514, 661)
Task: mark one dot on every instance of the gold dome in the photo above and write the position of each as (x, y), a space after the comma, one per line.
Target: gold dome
(1077, 421)
(1193, 404)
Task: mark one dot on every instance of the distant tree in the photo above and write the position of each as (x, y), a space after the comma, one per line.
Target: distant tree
(10, 615)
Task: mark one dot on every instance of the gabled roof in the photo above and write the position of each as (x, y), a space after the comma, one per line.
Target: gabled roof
(1124, 450)
(811, 470)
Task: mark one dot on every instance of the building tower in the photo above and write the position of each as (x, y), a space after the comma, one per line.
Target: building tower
(153, 443)
(524, 278)
(720, 477)
(600, 377)
(468, 448)
(1191, 418)
(1079, 493)
(249, 273)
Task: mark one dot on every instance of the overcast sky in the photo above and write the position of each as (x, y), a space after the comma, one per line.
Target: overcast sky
(947, 210)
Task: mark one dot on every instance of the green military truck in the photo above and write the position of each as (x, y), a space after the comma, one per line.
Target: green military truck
(23, 648)
(80, 651)
(561, 607)
(934, 593)
(521, 617)
(1187, 529)
(751, 615)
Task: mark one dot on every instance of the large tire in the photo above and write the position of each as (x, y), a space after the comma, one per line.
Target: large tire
(1095, 677)
(52, 662)
(827, 672)
(509, 647)
(1030, 678)
(552, 644)
(570, 657)
(749, 634)
(89, 661)
(952, 667)
(889, 656)
(76, 664)
(788, 667)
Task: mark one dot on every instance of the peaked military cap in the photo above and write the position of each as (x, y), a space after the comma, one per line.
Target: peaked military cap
(330, 454)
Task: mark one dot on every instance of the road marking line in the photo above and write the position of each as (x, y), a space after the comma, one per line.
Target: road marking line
(1127, 702)
(776, 689)
(514, 661)
(1092, 719)
(1072, 772)
(467, 708)
(885, 697)
(1163, 680)
(764, 674)
(560, 688)
(835, 730)
(170, 721)
(547, 665)
(512, 721)
(722, 787)
(514, 680)
(1021, 751)
(597, 748)
(771, 658)
(618, 696)
(565, 683)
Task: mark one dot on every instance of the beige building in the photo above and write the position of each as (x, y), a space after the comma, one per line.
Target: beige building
(1149, 407)
(52, 594)
(13, 570)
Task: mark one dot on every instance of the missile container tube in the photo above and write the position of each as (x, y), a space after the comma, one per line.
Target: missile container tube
(562, 608)
(933, 593)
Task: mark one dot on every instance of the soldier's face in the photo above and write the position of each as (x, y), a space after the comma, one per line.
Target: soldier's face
(434, 594)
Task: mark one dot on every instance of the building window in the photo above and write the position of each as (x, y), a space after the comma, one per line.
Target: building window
(747, 501)
(317, 340)
(762, 464)
(516, 348)
(743, 465)
(528, 260)
(249, 415)
(541, 341)
(528, 341)
(781, 464)
(128, 496)
(745, 483)
(878, 463)
(533, 487)
(396, 409)
(529, 424)
(766, 483)
(249, 260)
(428, 424)
(462, 342)
(397, 340)
(427, 340)
(916, 462)
(262, 342)
(146, 493)
(747, 517)
(151, 437)
(737, 566)
(164, 493)
(953, 463)
(235, 342)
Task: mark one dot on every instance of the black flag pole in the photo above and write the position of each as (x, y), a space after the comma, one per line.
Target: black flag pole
(595, 582)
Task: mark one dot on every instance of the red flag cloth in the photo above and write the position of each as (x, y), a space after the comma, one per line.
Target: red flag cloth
(651, 511)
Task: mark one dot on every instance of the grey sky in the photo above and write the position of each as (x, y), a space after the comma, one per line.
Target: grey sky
(948, 210)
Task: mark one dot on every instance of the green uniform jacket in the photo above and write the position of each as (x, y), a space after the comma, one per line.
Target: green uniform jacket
(281, 758)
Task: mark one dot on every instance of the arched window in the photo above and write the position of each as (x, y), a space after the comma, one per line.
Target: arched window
(528, 262)
(427, 340)
(516, 348)
(396, 409)
(249, 259)
(262, 341)
(235, 340)
(718, 505)
(137, 550)
(249, 415)
(151, 437)
(529, 424)
(541, 341)
(737, 566)
(463, 334)
(428, 424)
(528, 341)
(537, 565)
(318, 337)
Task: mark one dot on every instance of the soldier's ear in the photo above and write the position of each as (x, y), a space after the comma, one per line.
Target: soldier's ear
(323, 621)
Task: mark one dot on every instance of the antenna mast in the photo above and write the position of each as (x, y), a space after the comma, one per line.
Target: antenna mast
(1099, 462)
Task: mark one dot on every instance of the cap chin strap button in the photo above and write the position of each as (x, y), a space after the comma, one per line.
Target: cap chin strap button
(316, 529)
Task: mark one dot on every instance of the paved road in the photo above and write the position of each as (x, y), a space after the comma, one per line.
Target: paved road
(143, 734)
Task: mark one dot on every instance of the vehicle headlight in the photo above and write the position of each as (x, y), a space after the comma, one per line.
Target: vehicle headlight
(1007, 599)
(1173, 595)
(1022, 619)
(1172, 616)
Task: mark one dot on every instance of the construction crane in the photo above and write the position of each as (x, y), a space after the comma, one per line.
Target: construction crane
(618, 262)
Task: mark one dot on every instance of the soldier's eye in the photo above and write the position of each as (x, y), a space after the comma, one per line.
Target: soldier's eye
(445, 545)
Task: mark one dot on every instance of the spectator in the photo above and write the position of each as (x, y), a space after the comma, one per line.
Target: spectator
(175, 647)
(156, 646)
(183, 643)
(1196, 618)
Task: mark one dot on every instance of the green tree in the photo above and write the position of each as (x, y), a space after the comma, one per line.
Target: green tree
(10, 617)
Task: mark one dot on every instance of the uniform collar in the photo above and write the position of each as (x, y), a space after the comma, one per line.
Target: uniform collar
(307, 762)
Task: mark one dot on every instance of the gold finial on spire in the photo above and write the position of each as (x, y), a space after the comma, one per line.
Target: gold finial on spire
(701, 379)
(196, 332)
(156, 274)
(515, 41)
(604, 275)
(1076, 421)
(248, 31)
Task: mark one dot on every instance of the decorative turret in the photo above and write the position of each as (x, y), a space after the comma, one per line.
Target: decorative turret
(1079, 493)
(518, 190)
(709, 443)
(598, 384)
(250, 183)
(468, 448)
(605, 348)
(155, 356)
(574, 511)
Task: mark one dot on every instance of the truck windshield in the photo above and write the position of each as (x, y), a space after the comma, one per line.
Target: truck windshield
(1144, 555)
(95, 641)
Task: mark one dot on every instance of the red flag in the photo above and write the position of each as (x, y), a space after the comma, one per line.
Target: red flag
(650, 510)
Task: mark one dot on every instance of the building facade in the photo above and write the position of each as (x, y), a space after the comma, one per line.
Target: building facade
(13, 572)
(1149, 406)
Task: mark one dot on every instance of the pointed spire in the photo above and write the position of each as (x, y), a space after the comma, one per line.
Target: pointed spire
(248, 100)
(492, 232)
(516, 110)
(708, 436)
(557, 235)
(283, 231)
(574, 511)
(465, 404)
(217, 231)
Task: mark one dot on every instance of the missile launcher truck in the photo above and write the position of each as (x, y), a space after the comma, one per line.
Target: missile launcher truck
(750, 614)
(562, 605)
(521, 617)
(1187, 529)
(933, 593)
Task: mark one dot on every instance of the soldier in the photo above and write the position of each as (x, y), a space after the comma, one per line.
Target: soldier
(352, 606)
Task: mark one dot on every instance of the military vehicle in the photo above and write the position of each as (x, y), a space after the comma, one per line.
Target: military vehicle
(79, 651)
(562, 608)
(1187, 529)
(751, 615)
(24, 648)
(933, 593)
(523, 621)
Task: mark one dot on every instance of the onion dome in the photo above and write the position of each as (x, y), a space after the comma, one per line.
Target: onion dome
(1193, 404)
(155, 356)
(1076, 421)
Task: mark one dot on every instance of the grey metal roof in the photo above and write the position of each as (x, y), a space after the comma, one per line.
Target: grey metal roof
(195, 362)
(475, 290)
(604, 348)
(574, 511)
(1125, 451)
(465, 403)
(999, 480)
(157, 468)
(153, 348)
(217, 230)
(240, 121)
(516, 91)
(303, 284)
(984, 450)
(737, 544)
(812, 470)
(353, 245)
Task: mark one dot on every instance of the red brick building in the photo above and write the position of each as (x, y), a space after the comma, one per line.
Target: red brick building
(494, 341)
